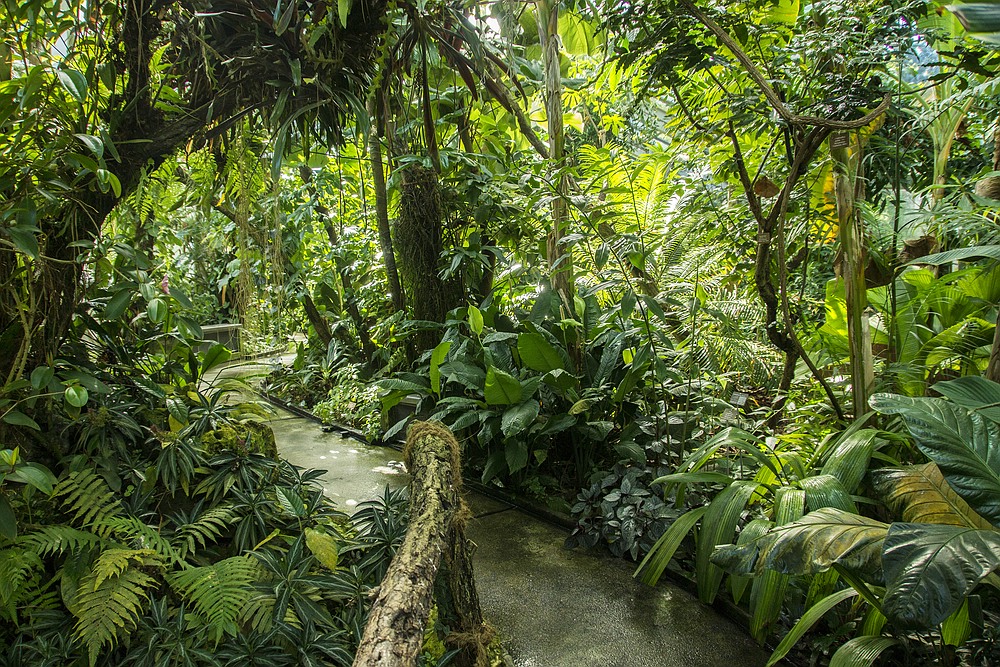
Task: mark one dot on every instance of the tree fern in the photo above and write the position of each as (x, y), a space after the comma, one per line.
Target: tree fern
(219, 592)
(87, 498)
(111, 596)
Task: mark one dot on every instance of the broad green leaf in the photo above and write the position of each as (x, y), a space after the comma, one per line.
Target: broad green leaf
(808, 620)
(848, 458)
(18, 418)
(476, 320)
(960, 254)
(767, 593)
(117, 304)
(963, 444)
(751, 532)
(694, 478)
(324, 547)
(973, 392)
(501, 388)
(41, 377)
(861, 651)
(157, 310)
(217, 354)
(956, 628)
(472, 377)
(343, 11)
(719, 527)
(827, 491)
(930, 569)
(818, 541)
(656, 561)
(437, 357)
(25, 240)
(34, 475)
(537, 353)
(75, 83)
(94, 144)
(516, 453)
(920, 494)
(400, 384)
(76, 395)
(579, 407)
(518, 418)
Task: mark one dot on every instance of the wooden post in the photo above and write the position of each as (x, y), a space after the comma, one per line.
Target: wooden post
(434, 547)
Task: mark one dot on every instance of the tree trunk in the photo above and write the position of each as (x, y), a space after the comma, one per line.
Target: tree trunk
(394, 633)
(343, 268)
(560, 258)
(851, 233)
(382, 212)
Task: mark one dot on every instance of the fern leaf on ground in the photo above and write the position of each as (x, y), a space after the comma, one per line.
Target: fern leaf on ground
(219, 592)
(55, 540)
(87, 498)
(107, 603)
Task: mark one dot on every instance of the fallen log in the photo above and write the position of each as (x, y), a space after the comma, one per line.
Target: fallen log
(435, 555)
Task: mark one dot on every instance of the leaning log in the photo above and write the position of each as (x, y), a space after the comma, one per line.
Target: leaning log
(435, 550)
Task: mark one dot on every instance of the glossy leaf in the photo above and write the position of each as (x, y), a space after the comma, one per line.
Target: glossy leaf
(861, 651)
(476, 320)
(930, 569)
(518, 418)
(18, 418)
(808, 620)
(719, 527)
(973, 392)
(767, 593)
(76, 395)
(920, 494)
(217, 355)
(963, 444)
(437, 357)
(812, 544)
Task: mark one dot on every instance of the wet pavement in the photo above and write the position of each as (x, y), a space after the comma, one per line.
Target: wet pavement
(552, 606)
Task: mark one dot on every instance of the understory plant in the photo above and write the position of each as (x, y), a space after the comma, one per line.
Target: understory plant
(920, 573)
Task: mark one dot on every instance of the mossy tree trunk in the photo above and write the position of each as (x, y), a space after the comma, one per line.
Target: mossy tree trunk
(435, 554)
(419, 239)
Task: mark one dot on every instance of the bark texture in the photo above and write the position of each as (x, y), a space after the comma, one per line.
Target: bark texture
(435, 554)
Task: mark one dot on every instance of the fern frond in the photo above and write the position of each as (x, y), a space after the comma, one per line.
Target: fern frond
(17, 568)
(87, 498)
(207, 528)
(139, 535)
(111, 598)
(113, 562)
(219, 592)
(55, 540)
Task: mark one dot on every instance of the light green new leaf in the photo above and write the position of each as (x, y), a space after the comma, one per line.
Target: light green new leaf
(501, 388)
(437, 358)
(324, 547)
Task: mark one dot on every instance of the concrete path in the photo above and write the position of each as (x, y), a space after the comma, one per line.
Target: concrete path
(553, 607)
